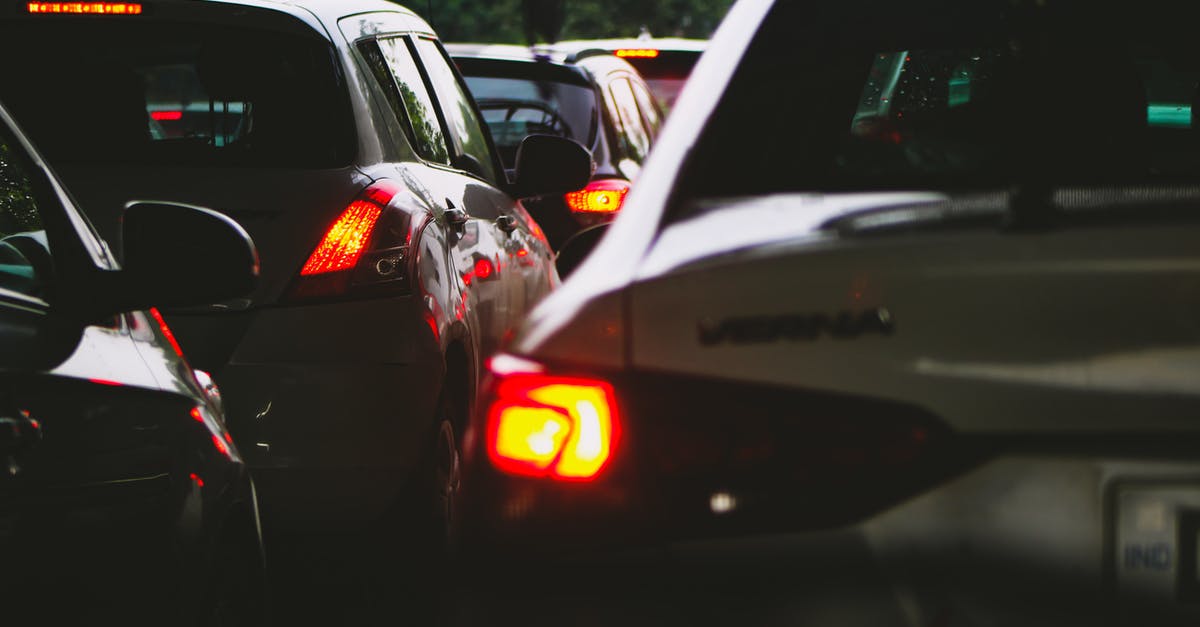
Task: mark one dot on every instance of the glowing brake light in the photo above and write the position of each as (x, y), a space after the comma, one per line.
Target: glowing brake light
(365, 248)
(603, 196)
(637, 53)
(85, 8)
(546, 426)
(166, 116)
(345, 241)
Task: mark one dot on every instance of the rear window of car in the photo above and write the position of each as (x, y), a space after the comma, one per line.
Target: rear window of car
(176, 94)
(956, 95)
(515, 108)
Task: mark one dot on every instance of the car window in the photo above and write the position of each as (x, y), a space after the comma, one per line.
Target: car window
(515, 108)
(636, 139)
(959, 101)
(24, 252)
(165, 93)
(410, 97)
(648, 108)
(459, 110)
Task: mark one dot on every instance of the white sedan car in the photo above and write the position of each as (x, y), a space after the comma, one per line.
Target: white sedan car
(900, 327)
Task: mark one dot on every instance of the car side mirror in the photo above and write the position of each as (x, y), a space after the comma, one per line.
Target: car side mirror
(548, 164)
(178, 255)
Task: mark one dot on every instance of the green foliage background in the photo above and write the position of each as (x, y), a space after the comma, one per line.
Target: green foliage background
(499, 21)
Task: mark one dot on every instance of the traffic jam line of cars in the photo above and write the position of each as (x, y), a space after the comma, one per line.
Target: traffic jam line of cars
(925, 357)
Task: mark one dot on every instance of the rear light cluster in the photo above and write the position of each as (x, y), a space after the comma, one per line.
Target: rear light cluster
(604, 196)
(85, 8)
(636, 53)
(364, 252)
(541, 425)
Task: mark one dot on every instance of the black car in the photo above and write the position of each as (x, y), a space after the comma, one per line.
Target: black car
(589, 96)
(122, 495)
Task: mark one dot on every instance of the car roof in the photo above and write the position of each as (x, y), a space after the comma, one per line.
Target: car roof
(510, 52)
(330, 11)
(596, 61)
(678, 44)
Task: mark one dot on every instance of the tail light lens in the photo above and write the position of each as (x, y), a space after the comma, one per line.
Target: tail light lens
(540, 425)
(364, 251)
(604, 196)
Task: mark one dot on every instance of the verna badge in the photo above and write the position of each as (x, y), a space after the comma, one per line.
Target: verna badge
(843, 325)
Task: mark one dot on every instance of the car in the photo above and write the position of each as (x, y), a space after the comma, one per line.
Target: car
(664, 62)
(396, 255)
(123, 498)
(898, 327)
(591, 97)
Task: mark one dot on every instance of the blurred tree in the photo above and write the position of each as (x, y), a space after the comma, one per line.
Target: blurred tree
(500, 21)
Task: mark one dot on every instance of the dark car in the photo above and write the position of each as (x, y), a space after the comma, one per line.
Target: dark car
(589, 96)
(123, 499)
(664, 62)
(900, 326)
(396, 256)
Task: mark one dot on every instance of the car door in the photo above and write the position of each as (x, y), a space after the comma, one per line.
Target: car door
(526, 260)
(472, 242)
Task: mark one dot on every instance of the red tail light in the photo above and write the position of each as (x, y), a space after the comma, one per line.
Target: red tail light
(344, 241)
(603, 196)
(540, 425)
(637, 53)
(166, 116)
(355, 252)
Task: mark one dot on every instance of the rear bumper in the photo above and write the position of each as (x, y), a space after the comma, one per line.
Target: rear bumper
(331, 405)
(1026, 539)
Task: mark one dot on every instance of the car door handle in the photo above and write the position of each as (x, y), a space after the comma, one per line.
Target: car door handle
(456, 217)
(508, 224)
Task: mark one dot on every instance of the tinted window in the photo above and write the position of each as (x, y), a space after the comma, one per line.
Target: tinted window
(167, 93)
(418, 113)
(636, 139)
(24, 252)
(458, 108)
(515, 108)
(956, 98)
(648, 108)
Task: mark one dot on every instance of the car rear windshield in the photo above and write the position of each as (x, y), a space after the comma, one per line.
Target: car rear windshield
(147, 92)
(941, 94)
(666, 72)
(515, 108)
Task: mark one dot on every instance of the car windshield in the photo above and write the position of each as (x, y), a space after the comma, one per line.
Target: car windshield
(175, 94)
(954, 98)
(515, 108)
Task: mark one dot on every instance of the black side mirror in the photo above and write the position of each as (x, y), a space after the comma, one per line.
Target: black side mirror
(179, 255)
(548, 164)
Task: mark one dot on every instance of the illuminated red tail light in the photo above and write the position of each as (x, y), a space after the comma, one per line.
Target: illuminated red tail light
(345, 241)
(166, 116)
(540, 425)
(602, 196)
(636, 53)
(352, 252)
